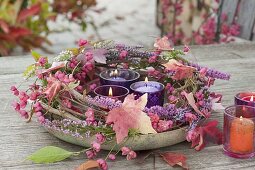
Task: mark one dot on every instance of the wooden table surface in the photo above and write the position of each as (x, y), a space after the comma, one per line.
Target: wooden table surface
(19, 139)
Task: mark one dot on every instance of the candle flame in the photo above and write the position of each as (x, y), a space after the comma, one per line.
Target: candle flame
(251, 99)
(241, 118)
(114, 73)
(110, 92)
(146, 80)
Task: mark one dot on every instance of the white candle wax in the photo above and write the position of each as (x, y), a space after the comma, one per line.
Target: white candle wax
(117, 78)
(146, 89)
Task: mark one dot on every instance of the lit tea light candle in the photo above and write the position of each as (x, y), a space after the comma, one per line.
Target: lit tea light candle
(248, 98)
(245, 98)
(154, 89)
(115, 75)
(120, 77)
(112, 91)
(241, 135)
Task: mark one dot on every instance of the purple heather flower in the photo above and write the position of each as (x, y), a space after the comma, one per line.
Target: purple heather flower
(211, 72)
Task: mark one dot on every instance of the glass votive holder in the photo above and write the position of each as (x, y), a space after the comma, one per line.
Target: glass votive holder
(120, 77)
(155, 91)
(112, 91)
(245, 98)
(239, 121)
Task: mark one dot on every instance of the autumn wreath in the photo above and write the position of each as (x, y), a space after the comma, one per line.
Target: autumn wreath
(63, 101)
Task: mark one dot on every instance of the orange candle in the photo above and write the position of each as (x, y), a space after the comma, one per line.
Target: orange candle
(241, 135)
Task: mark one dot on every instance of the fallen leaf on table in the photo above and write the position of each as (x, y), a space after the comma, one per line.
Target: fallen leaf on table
(49, 154)
(130, 116)
(88, 165)
(207, 133)
(175, 159)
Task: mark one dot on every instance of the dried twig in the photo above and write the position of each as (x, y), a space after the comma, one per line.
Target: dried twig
(57, 112)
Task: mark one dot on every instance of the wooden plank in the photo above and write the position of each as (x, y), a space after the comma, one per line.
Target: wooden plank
(246, 18)
(19, 139)
(229, 8)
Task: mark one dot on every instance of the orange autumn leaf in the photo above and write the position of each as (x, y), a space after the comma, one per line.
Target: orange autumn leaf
(181, 71)
(88, 165)
(130, 116)
(175, 159)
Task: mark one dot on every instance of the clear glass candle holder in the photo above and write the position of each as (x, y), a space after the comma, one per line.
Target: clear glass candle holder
(119, 77)
(239, 122)
(117, 92)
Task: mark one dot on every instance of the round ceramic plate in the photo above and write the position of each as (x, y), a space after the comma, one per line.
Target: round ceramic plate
(142, 142)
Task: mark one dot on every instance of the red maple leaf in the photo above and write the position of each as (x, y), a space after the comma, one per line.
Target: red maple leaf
(207, 133)
(130, 116)
(175, 159)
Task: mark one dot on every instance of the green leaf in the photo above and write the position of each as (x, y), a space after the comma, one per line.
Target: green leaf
(73, 85)
(50, 154)
(35, 55)
(30, 71)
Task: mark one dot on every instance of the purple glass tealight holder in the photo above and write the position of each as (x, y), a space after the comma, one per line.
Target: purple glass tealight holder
(245, 98)
(112, 91)
(120, 77)
(239, 138)
(155, 91)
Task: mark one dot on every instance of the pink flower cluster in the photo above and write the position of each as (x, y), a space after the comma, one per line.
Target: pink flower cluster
(123, 55)
(128, 152)
(42, 61)
(23, 100)
(154, 73)
(61, 76)
(38, 112)
(102, 164)
(160, 125)
(87, 65)
(96, 146)
(206, 33)
(90, 117)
